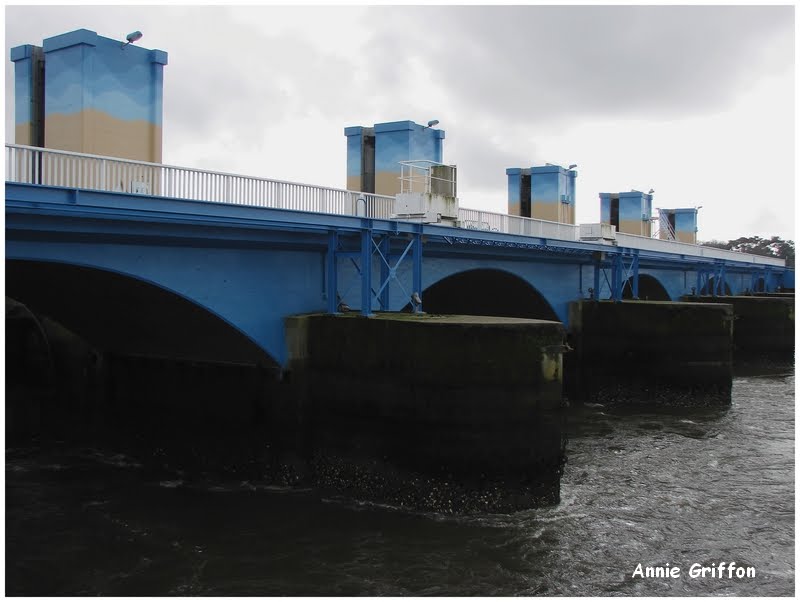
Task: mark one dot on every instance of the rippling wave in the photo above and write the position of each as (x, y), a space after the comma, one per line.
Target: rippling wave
(678, 487)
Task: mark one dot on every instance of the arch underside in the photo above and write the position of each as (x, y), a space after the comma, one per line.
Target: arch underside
(650, 289)
(487, 292)
(120, 314)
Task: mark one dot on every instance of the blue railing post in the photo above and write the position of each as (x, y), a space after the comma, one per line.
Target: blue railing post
(366, 269)
(331, 269)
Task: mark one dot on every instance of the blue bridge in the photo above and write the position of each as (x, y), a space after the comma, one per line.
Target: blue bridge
(144, 258)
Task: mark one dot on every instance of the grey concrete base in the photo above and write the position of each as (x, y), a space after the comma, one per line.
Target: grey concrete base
(448, 413)
(763, 326)
(650, 353)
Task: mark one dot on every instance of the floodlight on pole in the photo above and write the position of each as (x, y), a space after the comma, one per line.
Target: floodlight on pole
(132, 37)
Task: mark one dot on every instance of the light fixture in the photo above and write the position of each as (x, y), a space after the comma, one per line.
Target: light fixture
(651, 191)
(573, 166)
(433, 122)
(132, 37)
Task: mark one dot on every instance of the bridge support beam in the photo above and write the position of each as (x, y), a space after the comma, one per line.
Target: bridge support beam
(650, 352)
(446, 413)
(615, 272)
(331, 273)
(417, 276)
(366, 272)
(378, 247)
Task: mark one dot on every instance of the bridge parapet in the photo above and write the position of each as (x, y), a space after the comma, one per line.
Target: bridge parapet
(683, 248)
(48, 167)
(33, 165)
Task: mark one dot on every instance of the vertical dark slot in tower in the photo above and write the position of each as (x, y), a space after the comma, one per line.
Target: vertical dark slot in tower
(368, 163)
(525, 195)
(614, 217)
(37, 97)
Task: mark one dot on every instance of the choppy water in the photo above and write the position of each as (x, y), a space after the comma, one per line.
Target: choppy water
(680, 488)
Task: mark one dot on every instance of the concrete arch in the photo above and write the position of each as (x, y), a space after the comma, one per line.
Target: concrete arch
(650, 289)
(487, 292)
(123, 313)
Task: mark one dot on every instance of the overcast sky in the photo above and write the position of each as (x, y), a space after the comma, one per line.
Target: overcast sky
(695, 102)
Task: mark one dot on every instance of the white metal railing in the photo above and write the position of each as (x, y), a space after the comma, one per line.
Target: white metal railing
(685, 248)
(34, 165)
(474, 219)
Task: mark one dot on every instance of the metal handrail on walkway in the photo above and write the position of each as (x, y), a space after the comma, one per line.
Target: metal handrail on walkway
(646, 243)
(35, 165)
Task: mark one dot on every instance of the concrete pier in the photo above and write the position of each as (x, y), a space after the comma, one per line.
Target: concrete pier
(763, 326)
(449, 413)
(650, 352)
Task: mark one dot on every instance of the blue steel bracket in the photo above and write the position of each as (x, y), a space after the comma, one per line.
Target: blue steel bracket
(767, 279)
(618, 271)
(711, 279)
(627, 273)
(389, 270)
(417, 271)
(366, 271)
(381, 245)
(331, 273)
(764, 274)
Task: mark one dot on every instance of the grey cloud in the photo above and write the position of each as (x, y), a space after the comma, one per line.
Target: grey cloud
(544, 63)
(482, 159)
(256, 82)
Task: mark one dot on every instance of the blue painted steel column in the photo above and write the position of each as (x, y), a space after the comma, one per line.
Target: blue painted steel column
(366, 269)
(596, 290)
(417, 271)
(616, 277)
(635, 277)
(331, 269)
(722, 280)
(385, 246)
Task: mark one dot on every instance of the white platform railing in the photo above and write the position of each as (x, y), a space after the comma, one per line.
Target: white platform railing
(34, 165)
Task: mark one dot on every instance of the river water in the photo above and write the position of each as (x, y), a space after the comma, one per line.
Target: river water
(681, 487)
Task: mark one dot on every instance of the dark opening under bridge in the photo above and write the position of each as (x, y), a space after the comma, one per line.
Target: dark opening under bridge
(151, 259)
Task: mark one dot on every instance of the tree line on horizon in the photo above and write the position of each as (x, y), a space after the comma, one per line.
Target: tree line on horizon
(755, 245)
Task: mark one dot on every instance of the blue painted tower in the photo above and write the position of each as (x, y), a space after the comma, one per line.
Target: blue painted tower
(678, 224)
(28, 94)
(99, 96)
(630, 211)
(374, 154)
(546, 192)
